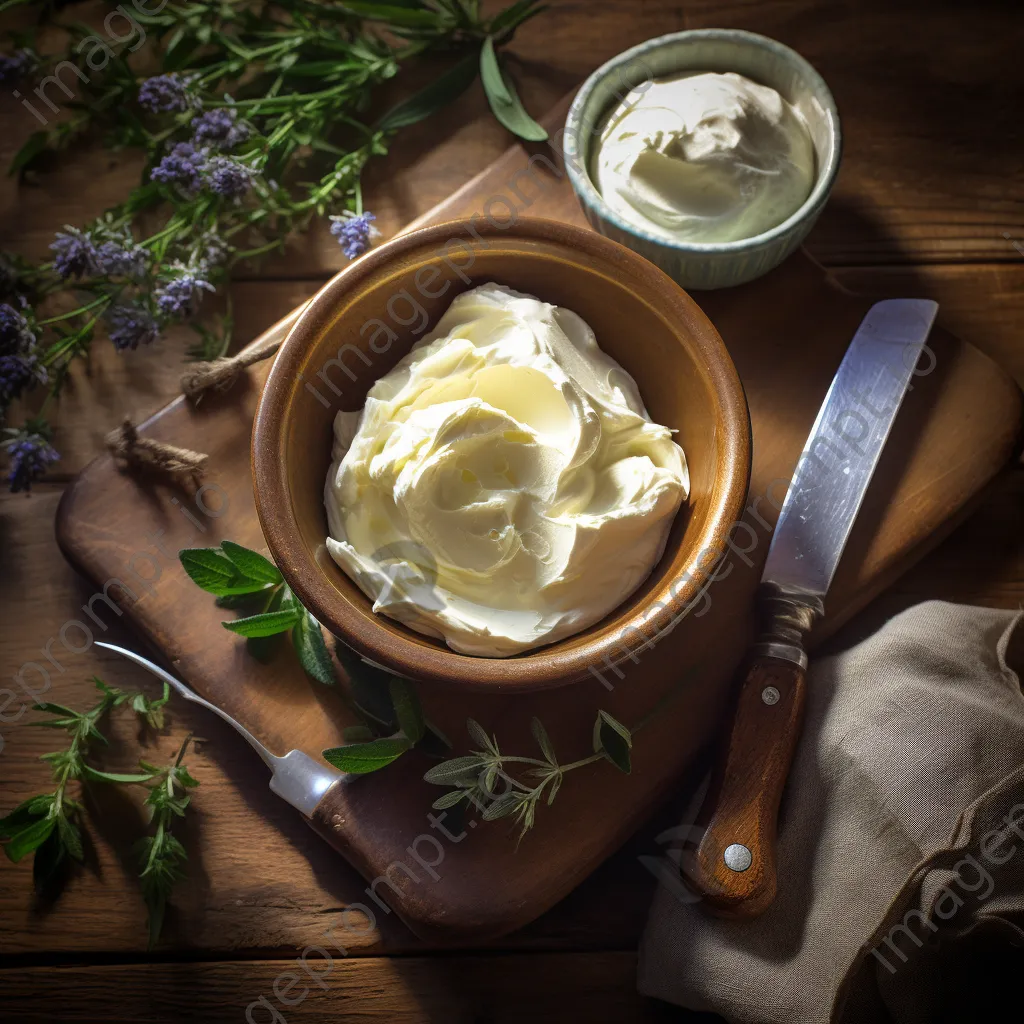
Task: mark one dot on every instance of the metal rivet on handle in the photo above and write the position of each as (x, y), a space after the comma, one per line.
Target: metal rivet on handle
(738, 857)
(770, 695)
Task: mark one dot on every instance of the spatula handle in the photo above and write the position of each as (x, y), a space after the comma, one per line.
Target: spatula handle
(733, 868)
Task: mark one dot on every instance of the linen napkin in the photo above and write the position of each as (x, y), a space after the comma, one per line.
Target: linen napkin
(901, 845)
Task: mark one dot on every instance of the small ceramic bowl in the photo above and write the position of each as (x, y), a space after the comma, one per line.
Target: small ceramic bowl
(711, 265)
(356, 328)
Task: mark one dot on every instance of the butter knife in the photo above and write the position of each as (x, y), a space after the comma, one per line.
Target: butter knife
(733, 867)
(295, 777)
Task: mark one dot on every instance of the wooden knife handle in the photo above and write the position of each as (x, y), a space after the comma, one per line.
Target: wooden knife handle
(733, 868)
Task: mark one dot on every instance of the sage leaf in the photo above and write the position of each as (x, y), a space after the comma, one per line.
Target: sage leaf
(407, 708)
(447, 800)
(216, 573)
(264, 624)
(540, 734)
(502, 97)
(480, 737)
(251, 564)
(442, 91)
(505, 805)
(362, 758)
(454, 770)
(613, 740)
(308, 641)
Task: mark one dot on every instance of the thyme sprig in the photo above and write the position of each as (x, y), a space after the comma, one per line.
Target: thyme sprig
(477, 775)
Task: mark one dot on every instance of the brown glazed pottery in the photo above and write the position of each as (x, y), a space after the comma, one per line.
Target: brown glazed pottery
(358, 326)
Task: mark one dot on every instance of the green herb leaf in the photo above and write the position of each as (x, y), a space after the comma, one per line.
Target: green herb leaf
(503, 806)
(454, 770)
(29, 838)
(70, 837)
(478, 735)
(514, 15)
(442, 91)
(24, 814)
(361, 758)
(212, 570)
(449, 799)
(406, 703)
(311, 649)
(490, 74)
(265, 624)
(125, 777)
(540, 734)
(613, 740)
(504, 101)
(251, 564)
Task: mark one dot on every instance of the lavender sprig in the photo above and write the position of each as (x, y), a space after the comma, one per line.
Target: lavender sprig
(245, 148)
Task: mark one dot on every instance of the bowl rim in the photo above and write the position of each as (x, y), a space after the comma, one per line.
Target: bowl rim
(545, 667)
(590, 197)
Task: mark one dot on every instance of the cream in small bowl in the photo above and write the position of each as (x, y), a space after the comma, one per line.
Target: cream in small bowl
(503, 487)
(706, 257)
(704, 157)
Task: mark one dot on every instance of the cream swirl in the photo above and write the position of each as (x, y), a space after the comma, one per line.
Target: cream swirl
(503, 487)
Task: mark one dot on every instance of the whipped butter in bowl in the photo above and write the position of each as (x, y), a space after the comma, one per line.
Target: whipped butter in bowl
(503, 487)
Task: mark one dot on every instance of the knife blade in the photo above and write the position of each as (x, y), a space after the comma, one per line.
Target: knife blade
(733, 866)
(295, 777)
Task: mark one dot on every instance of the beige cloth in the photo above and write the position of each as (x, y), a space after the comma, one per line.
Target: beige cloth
(901, 847)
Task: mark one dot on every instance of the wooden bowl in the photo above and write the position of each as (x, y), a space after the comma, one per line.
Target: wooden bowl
(365, 319)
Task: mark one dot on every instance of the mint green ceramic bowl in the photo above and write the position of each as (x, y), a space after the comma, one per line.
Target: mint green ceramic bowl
(717, 264)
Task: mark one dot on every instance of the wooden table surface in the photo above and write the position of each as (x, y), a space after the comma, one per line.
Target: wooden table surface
(929, 202)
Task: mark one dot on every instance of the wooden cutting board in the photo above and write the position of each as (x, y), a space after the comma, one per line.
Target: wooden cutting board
(959, 427)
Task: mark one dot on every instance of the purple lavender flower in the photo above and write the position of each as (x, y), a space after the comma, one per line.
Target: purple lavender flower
(121, 258)
(228, 177)
(75, 253)
(167, 93)
(30, 454)
(353, 232)
(180, 296)
(17, 374)
(132, 326)
(16, 336)
(219, 128)
(182, 166)
(211, 250)
(16, 67)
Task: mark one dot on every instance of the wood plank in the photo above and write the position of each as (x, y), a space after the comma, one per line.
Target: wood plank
(549, 989)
